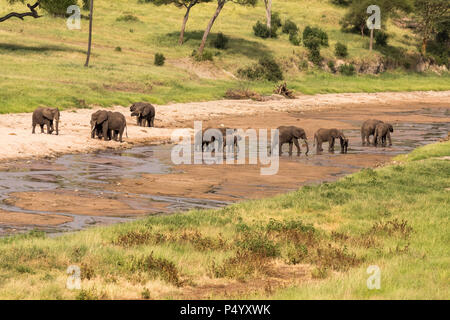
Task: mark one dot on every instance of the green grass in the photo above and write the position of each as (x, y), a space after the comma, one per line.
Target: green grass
(395, 217)
(42, 61)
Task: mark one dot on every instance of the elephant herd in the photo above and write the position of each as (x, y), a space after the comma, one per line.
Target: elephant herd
(109, 125)
(377, 128)
(105, 124)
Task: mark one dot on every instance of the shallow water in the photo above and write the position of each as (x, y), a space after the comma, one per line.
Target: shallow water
(84, 172)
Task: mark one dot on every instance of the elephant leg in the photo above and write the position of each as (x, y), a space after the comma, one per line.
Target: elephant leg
(291, 144)
(297, 145)
(106, 132)
(42, 128)
(47, 123)
(331, 145)
(389, 137)
(280, 147)
(121, 134)
(153, 122)
(363, 138)
(319, 146)
(34, 128)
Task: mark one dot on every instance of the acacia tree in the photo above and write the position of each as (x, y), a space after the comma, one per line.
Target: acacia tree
(33, 13)
(187, 4)
(220, 5)
(429, 14)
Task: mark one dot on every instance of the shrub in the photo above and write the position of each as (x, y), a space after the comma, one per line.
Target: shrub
(261, 30)
(221, 41)
(294, 39)
(86, 4)
(57, 7)
(290, 27)
(206, 56)
(340, 50)
(314, 56)
(266, 69)
(127, 18)
(314, 37)
(344, 3)
(159, 59)
(276, 20)
(347, 69)
(332, 66)
(118, 49)
(381, 38)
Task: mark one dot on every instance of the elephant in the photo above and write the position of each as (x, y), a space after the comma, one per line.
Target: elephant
(212, 139)
(368, 129)
(329, 135)
(144, 112)
(46, 116)
(291, 135)
(383, 131)
(108, 125)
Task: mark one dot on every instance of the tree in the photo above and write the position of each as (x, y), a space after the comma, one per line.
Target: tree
(429, 13)
(91, 13)
(188, 4)
(220, 5)
(33, 13)
(268, 4)
(356, 16)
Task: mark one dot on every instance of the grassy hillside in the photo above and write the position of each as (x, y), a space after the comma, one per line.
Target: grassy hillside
(322, 236)
(42, 61)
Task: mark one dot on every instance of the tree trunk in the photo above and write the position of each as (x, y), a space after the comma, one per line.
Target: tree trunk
(371, 39)
(90, 33)
(268, 4)
(424, 46)
(183, 26)
(220, 5)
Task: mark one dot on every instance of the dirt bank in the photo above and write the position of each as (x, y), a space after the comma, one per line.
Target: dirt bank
(18, 143)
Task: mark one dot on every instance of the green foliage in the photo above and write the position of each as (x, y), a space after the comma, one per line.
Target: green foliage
(294, 38)
(276, 20)
(340, 50)
(261, 30)
(344, 3)
(159, 59)
(127, 18)
(86, 4)
(57, 7)
(381, 38)
(206, 56)
(347, 69)
(221, 41)
(314, 38)
(266, 69)
(290, 27)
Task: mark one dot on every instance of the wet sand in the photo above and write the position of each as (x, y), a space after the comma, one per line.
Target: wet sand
(110, 187)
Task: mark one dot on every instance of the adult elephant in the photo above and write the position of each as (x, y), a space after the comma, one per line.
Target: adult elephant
(368, 129)
(108, 125)
(383, 132)
(330, 135)
(144, 112)
(291, 135)
(46, 116)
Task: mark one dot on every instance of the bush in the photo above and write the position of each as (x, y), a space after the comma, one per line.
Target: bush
(86, 4)
(290, 27)
(206, 56)
(332, 66)
(340, 50)
(347, 69)
(294, 39)
(314, 56)
(261, 30)
(127, 18)
(344, 3)
(266, 69)
(381, 38)
(57, 7)
(314, 38)
(276, 20)
(118, 49)
(159, 59)
(221, 41)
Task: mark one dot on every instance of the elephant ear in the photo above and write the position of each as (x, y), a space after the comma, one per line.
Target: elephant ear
(146, 111)
(102, 117)
(48, 113)
(391, 128)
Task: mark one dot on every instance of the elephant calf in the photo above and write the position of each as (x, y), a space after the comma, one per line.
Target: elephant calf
(291, 135)
(144, 112)
(46, 116)
(383, 131)
(207, 140)
(329, 135)
(108, 125)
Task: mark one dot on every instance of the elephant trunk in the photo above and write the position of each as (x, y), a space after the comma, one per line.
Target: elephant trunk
(307, 147)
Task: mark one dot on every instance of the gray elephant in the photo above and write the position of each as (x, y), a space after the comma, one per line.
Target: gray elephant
(368, 129)
(291, 135)
(329, 135)
(383, 131)
(144, 112)
(224, 131)
(46, 116)
(108, 125)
